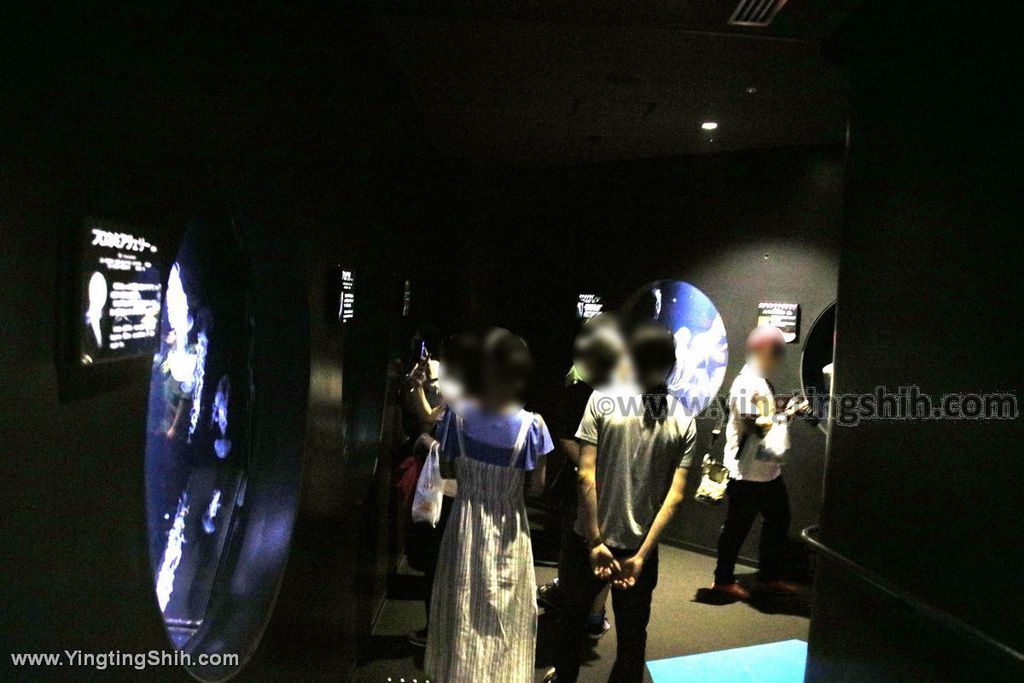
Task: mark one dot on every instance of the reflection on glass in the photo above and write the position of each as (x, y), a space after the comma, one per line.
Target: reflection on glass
(197, 445)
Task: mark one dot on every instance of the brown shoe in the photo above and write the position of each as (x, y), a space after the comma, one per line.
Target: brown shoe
(780, 587)
(732, 590)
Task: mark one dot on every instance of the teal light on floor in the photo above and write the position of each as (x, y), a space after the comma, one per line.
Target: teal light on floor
(781, 662)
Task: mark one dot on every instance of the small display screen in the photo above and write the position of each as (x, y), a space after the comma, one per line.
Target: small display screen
(588, 305)
(347, 300)
(120, 293)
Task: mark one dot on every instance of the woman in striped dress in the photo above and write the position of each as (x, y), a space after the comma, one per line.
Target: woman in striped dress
(483, 615)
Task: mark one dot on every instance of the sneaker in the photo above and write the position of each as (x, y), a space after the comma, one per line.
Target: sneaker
(780, 587)
(596, 629)
(549, 595)
(732, 590)
(551, 676)
(417, 638)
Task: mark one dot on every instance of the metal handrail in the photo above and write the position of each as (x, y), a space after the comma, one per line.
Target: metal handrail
(933, 613)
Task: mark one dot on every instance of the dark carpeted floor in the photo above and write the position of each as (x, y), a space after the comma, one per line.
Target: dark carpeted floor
(683, 621)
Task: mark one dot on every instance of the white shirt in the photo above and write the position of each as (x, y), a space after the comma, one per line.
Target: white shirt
(753, 458)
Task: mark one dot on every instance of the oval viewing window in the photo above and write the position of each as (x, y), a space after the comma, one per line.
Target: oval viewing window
(702, 348)
(203, 476)
(816, 364)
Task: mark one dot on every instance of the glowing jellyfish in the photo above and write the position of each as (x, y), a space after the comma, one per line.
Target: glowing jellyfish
(172, 554)
(180, 361)
(219, 417)
(702, 350)
(197, 382)
(211, 513)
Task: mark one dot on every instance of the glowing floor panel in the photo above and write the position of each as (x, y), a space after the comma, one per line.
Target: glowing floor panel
(781, 662)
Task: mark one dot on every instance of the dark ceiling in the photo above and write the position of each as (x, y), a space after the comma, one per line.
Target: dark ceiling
(564, 82)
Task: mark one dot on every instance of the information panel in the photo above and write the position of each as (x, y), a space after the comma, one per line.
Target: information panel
(786, 317)
(588, 306)
(120, 300)
(347, 300)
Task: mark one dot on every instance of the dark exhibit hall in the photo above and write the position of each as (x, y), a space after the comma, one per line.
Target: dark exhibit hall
(511, 342)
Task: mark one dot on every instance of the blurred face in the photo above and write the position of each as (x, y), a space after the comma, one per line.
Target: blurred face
(651, 367)
(506, 365)
(598, 364)
(500, 392)
(598, 350)
(767, 358)
(653, 353)
(652, 378)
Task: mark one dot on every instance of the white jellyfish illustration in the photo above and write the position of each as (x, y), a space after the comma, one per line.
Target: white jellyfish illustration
(97, 300)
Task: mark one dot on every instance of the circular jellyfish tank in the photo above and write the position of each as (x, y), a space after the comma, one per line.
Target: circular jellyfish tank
(702, 348)
(224, 435)
(816, 364)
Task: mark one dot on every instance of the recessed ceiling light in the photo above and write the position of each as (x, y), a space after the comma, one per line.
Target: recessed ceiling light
(709, 125)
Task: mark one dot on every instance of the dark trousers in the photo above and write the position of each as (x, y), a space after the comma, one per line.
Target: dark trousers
(632, 608)
(568, 508)
(747, 499)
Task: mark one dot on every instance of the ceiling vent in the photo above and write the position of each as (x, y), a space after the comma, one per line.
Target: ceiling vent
(755, 12)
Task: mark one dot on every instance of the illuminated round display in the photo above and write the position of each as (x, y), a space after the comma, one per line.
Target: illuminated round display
(220, 501)
(702, 349)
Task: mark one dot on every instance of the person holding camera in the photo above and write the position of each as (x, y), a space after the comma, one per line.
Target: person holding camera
(756, 439)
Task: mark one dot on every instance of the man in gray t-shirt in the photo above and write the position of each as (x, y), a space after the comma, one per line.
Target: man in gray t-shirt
(634, 458)
(636, 461)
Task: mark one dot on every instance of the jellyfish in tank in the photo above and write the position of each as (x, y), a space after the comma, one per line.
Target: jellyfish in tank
(199, 376)
(211, 513)
(219, 418)
(181, 360)
(172, 554)
(701, 359)
(698, 331)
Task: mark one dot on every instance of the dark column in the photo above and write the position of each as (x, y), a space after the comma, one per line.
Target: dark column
(929, 296)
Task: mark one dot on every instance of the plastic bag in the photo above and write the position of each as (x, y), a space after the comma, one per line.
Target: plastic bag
(426, 504)
(713, 483)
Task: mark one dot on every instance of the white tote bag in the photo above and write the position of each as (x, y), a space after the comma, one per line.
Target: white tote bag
(426, 504)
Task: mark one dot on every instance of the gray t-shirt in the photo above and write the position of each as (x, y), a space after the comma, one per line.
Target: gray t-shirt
(636, 462)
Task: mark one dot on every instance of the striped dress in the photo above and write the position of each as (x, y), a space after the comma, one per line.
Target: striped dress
(483, 613)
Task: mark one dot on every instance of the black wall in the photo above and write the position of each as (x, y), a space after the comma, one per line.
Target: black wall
(744, 228)
(929, 295)
(143, 116)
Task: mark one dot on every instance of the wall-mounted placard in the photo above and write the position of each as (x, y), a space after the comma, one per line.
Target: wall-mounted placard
(589, 305)
(347, 299)
(119, 271)
(786, 317)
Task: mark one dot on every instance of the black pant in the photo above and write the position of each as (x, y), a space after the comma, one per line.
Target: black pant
(632, 612)
(746, 500)
(568, 508)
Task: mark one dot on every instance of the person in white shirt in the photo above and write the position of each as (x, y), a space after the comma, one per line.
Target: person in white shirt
(756, 441)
